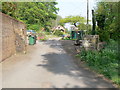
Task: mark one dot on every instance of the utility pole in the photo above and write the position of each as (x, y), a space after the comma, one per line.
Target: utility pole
(87, 14)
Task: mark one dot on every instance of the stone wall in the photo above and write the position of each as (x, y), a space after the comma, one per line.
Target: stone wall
(13, 36)
(91, 42)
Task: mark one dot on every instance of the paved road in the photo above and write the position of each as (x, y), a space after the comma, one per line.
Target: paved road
(47, 65)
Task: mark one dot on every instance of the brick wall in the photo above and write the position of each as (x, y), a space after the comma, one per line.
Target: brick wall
(13, 36)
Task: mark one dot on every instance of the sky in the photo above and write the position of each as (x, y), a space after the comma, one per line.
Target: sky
(75, 7)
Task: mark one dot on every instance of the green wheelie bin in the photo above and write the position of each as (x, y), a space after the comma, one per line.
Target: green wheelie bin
(80, 35)
(31, 40)
(73, 35)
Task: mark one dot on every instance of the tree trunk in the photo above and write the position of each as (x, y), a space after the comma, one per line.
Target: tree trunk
(94, 23)
(75, 25)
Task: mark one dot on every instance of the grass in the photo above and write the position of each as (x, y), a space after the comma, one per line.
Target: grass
(104, 61)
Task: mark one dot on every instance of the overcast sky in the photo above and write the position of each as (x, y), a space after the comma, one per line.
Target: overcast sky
(75, 7)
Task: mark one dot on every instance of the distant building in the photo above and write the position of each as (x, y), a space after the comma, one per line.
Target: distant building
(72, 27)
(59, 27)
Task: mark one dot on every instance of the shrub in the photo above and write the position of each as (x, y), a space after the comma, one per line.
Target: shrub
(104, 61)
(35, 27)
(58, 33)
(104, 34)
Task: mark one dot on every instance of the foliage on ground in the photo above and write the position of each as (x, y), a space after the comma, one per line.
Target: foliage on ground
(104, 61)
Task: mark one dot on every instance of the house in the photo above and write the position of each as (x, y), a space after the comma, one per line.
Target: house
(59, 27)
(72, 27)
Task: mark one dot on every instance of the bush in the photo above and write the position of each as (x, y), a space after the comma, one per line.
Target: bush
(35, 27)
(103, 34)
(104, 61)
(58, 33)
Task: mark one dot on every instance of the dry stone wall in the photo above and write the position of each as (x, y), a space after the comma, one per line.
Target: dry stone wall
(13, 36)
(90, 42)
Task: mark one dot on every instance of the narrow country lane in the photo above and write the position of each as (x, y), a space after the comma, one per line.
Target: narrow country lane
(47, 65)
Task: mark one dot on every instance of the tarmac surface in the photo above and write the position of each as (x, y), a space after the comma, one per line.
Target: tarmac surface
(47, 65)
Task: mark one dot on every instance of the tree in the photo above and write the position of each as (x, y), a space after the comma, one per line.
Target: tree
(56, 21)
(9, 8)
(39, 13)
(107, 20)
(77, 21)
(94, 23)
(83, 26)
(73, 20)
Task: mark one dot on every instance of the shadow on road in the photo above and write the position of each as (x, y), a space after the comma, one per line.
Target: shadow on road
(62, 64)
(66, 86)
(54, 44)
